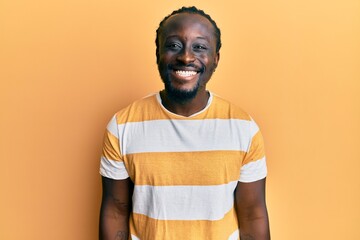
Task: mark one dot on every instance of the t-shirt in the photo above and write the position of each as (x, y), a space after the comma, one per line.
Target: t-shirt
(184, 169)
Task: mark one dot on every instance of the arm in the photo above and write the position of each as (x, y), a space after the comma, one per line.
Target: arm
(251, 211)
(115, 209)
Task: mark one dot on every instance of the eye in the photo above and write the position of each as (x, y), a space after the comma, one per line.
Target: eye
(200, 47)
(173, 46)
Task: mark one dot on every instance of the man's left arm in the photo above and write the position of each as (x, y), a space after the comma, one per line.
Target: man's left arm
(251, 210)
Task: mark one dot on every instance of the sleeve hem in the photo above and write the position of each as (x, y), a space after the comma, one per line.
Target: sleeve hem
(112, 175)
(253, 179)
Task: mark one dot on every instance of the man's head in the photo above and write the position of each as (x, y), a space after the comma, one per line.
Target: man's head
(187, 51)
(193, 10)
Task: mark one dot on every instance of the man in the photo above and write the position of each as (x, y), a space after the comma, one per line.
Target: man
(184, 163)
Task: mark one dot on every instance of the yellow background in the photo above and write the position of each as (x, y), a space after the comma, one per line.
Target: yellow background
(66, 66)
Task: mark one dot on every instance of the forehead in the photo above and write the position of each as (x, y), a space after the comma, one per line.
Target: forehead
(188, 22)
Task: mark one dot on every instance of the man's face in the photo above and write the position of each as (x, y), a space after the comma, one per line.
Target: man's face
(187, 55)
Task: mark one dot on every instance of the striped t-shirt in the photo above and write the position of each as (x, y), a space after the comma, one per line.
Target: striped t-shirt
(184, 169)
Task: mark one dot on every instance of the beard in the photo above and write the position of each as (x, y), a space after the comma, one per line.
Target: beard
(178, 95)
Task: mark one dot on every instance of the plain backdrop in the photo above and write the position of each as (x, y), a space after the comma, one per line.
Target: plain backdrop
(67, 66)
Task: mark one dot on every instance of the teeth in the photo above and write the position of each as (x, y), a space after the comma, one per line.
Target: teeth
(185, 73)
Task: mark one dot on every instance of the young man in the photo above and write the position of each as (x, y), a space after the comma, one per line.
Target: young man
(184, 163)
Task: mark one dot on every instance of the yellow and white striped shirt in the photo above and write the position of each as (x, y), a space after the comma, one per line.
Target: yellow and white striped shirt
(185, 169)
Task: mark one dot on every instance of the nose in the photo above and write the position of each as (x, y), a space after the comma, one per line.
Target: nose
(186, 56)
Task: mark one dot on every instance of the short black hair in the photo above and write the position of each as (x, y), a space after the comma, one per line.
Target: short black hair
(192, 10)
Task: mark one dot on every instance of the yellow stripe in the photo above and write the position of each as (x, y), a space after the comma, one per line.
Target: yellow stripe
(184, 168)
(146, 228)
(223, 109)
(257, 150)
(111, 148)
(149, 109)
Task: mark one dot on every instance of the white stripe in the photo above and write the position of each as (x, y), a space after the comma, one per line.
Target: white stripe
(133, 237)
(113, 169)
(235, 235)
(112, 127)
(254, 128)
(184, 202)
(253, 171)
(185, 135)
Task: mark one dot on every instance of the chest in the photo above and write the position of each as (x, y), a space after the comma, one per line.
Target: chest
(174, 152)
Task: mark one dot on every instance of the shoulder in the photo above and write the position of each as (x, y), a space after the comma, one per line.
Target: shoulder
(137, 110)
(223, 108)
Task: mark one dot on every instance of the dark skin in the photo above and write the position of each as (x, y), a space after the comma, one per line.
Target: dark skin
(115, 209)
(187, 60)
(187, 43)
(251, 211)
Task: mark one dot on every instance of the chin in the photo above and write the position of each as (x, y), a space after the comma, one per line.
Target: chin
(181, 95)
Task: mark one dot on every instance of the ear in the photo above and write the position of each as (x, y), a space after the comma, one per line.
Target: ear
(217, 58)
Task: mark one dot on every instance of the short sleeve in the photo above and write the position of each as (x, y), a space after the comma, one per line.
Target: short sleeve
(111, 162)
(254, 163)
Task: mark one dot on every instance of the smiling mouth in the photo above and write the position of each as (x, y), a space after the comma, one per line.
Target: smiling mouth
(182, 73)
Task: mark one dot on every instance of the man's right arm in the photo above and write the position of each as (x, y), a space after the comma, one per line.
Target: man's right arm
(115, 209)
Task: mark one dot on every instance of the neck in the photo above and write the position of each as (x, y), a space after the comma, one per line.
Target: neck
(185, 108)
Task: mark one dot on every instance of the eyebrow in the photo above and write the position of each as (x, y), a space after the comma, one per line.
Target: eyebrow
(204, 38)
(199, 37)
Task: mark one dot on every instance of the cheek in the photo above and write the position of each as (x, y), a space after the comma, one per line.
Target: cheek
(203, 59)
(208, 60)
(165, 58)
(210, 64)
